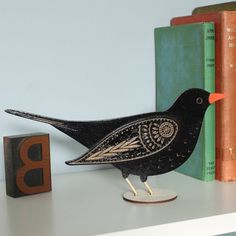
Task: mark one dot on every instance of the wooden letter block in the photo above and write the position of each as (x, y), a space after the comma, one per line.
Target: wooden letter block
(27, 164)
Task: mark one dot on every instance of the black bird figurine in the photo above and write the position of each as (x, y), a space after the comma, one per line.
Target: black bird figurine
(143, 145)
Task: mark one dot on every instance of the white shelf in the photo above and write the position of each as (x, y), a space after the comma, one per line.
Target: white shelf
(91, 203)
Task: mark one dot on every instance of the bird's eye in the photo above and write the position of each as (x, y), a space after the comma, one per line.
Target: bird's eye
(199, 100)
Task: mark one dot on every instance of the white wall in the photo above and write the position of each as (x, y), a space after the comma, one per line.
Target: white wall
(78, 59)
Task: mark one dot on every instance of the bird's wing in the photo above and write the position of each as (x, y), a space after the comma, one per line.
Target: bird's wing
(132, 141)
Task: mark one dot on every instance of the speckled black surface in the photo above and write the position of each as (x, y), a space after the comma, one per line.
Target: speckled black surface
(144, 145)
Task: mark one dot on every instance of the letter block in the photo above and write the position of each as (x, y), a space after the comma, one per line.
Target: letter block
(27, 164)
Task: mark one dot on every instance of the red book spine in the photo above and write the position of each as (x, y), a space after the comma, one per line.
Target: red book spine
(225, 52)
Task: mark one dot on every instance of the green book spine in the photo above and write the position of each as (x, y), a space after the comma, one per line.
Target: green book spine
(185, 59)
(209, 124)
(227, 6)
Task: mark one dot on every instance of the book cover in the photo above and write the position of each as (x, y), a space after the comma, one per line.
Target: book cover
(226, 6)
(225, 52)
(185, 59)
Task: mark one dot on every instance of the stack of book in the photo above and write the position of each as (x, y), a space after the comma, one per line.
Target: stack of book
(199, 51)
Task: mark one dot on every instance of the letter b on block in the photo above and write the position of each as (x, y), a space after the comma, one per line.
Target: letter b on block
(27, 164)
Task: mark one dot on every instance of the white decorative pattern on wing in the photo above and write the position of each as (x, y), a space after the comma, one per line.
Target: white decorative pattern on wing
(114, 150)
(133, 141)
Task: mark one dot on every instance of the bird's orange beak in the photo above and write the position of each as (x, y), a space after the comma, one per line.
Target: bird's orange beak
(215, 97)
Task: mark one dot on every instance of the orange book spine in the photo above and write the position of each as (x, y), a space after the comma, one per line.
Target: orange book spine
(225, 52)
(226, 109)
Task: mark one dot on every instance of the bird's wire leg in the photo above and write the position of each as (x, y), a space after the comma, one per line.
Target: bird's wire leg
(131, 186)
(148, 188)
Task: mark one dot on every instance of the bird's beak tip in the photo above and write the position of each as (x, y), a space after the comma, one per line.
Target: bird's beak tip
(215, 97)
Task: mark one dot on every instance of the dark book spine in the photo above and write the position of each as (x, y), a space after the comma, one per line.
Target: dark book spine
(227, 6)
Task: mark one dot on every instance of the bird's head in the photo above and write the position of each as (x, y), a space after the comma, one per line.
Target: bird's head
(195, 102)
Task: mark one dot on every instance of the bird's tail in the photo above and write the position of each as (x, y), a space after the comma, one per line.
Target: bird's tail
(52, 121)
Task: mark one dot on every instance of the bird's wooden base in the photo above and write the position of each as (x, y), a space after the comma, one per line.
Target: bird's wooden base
(158, 196)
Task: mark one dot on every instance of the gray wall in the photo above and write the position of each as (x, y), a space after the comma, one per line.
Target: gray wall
(78, 59)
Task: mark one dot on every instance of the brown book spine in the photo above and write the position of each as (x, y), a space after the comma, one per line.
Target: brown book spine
(226, 109)
(226, 6)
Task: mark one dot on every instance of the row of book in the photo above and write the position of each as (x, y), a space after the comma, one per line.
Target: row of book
(199, 51)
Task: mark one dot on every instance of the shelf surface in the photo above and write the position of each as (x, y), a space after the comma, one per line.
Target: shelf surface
(90, 203)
